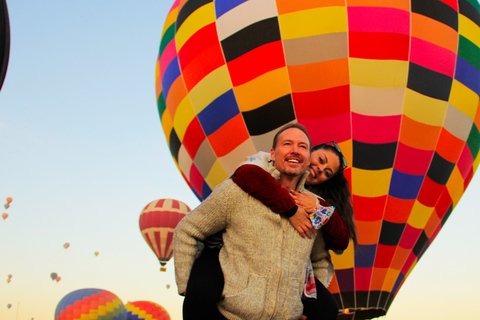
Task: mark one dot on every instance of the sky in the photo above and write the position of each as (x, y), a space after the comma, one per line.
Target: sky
(83, 151)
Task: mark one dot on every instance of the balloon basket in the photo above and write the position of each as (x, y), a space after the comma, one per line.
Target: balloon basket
(163, 269)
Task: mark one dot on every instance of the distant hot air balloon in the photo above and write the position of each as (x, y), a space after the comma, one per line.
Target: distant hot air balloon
(6, 205)
(145, 310)
(4, 40)
(9, 280)
(53, 275)
(66, 245)
(10, 276)
(168, 286)
(58, 278)
(97, 253)
(157, 222)
(90, 304)
(9, 305)
(4, 216)
(9, 199)
(396, 83)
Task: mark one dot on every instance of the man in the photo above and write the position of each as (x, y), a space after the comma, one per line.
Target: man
(264, 259)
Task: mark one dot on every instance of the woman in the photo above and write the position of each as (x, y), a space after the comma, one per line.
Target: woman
(327, 180)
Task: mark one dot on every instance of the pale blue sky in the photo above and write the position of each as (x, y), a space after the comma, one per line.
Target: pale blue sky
(83, 151)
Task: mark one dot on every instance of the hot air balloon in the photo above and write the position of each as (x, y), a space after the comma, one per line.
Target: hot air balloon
(396, 83)
(168, 286)
(90, 304)
(4, 40)
(9, 305)
(4, 215)
(97, 253)
(9, 280)
(53, 275)
(66, 245)
(58, 278)
(157, 222)
(9, 200)
(145, 310)
(6, 205)
(10, 276)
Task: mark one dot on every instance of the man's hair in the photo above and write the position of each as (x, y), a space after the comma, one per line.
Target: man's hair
(289, 126)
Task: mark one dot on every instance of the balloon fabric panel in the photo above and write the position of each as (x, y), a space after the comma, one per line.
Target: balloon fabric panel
(396, 84)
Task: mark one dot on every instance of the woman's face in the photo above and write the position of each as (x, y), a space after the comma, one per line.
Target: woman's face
(324, 164)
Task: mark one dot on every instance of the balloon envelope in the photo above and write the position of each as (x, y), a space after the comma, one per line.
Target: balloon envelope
(4, 40)
(53, 275)
(90, 304)
(145, 310)
(66, 245)
(395, 83)
(97, 253)
(9, 305)
(157, 222)
(4, 216)
(9, 200)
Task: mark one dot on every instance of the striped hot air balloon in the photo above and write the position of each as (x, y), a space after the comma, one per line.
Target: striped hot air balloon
(395, 83)
(157, 222)
(90, 304)
(146, 310)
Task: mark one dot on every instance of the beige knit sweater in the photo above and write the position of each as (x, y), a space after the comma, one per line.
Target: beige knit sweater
(263, 259)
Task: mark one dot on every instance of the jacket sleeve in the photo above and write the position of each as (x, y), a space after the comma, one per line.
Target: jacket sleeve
(261, 185)
(207, 219)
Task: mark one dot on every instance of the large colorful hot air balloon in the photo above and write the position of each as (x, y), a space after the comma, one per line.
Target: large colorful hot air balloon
(396, 83)
(157, 222)
(4, 40)
(90, 304)
(145, 310)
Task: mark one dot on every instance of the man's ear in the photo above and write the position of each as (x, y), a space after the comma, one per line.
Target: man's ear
(272, 154)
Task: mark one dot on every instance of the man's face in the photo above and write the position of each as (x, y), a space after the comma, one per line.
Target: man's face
(292, 152)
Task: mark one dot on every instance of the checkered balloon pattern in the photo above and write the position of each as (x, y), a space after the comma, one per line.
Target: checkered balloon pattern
(395, 83)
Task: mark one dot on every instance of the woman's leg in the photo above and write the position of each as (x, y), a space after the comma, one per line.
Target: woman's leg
(204, 287)
(325, 307)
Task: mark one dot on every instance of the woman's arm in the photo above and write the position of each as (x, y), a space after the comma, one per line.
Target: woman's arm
(261, 185)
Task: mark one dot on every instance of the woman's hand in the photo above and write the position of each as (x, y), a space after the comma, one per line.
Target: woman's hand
(302, 223)
(304, 200)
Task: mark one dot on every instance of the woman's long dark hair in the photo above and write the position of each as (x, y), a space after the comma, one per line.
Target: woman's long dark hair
(336, 191)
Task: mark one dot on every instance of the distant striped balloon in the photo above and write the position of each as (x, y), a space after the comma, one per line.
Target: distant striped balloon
(90, 304)
(396, 83)
(146, 310)
(157, 223)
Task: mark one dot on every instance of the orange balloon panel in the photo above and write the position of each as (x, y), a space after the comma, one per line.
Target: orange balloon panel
(395, 83)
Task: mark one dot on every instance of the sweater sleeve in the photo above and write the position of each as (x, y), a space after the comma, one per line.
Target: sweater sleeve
(208, 218)
(261, 185)
(335, 233)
